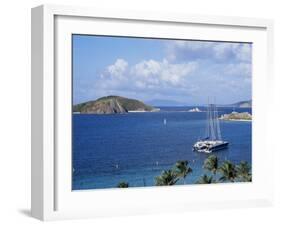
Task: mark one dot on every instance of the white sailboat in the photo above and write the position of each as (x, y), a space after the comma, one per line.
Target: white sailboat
(213, 140)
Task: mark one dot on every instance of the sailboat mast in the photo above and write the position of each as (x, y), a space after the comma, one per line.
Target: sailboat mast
(212, 124)
(218, 130)
(213, 131)
(208, 125)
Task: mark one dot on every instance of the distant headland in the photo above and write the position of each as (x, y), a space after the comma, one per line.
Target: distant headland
(112, 105)
(241, 104)
(235, 116)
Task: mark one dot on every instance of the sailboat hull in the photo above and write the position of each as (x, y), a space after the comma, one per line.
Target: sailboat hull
(209, 146)
(219, 146)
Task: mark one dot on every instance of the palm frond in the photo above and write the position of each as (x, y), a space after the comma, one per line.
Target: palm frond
(211, 164)
(244, 171)
(228, 171)
(205, 179)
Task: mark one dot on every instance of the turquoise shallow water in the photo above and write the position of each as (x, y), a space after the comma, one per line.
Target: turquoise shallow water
(136, 147)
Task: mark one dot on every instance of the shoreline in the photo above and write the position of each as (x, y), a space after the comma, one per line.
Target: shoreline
(142, 111)
(238, 120)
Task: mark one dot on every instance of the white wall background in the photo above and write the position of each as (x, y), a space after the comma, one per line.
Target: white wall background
(15, 111)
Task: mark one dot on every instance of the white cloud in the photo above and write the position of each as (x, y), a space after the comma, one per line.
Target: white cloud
(239, 69)
(147, 68)
(223, 50)
(214, 51)
(193, 45)
(158, 72)
(147, 74)
(118, 68)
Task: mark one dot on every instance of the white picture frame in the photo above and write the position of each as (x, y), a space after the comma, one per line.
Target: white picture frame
(52, 197)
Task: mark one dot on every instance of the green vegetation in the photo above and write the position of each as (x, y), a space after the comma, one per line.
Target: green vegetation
(123, 184)
(168, 177)
(182, 169)
(205, 179)
(226, 171)
(172, 176)
(212, 164)
(111, 105)
(244, 172)
(237, 116)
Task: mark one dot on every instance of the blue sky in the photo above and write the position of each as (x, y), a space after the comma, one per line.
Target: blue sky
(179, 71)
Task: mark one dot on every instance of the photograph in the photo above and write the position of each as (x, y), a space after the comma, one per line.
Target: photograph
(160, 112)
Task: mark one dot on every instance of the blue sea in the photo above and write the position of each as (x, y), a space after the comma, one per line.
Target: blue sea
(137, 147)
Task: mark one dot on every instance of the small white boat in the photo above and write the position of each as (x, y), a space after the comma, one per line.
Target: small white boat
(194, 110)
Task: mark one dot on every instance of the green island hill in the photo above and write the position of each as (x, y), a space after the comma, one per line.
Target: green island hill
(112, 105)
(243, 116)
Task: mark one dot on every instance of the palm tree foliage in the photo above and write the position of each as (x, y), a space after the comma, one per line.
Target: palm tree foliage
(205, 179)
(182, 169)
(244, 172)
(168, 177)
(228, 171)
(123, 184)
(212, 164)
